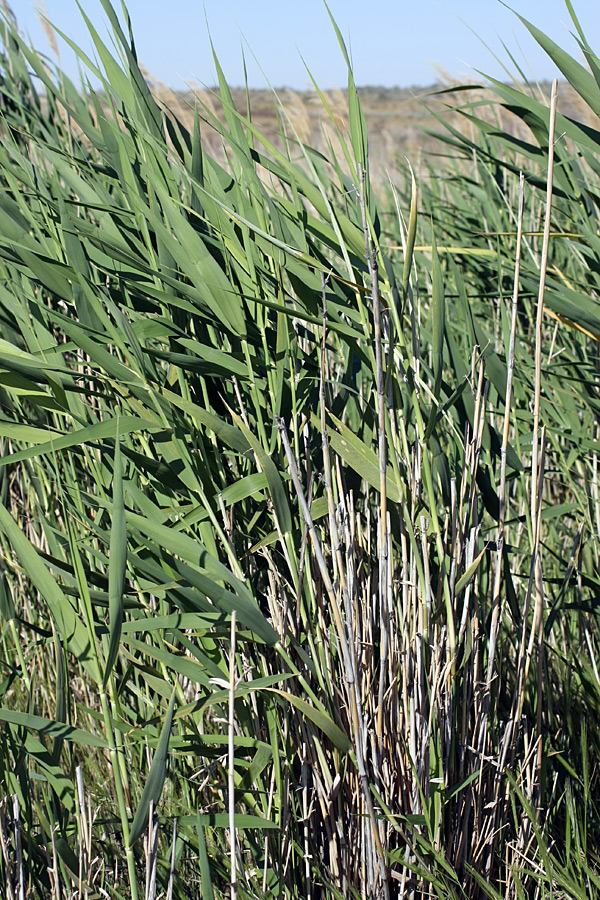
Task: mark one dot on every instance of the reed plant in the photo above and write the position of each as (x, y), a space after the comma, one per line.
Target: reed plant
(299, 506)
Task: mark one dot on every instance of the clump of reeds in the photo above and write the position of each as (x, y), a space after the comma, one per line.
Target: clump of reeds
(299, 531)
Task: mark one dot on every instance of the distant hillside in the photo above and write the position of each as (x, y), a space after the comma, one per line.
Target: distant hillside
(396, 117)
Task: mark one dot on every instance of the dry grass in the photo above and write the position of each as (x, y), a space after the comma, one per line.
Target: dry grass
(399, 120)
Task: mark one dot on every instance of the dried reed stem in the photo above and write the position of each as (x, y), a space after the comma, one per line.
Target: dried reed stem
(510, 368)
(231, 759)
(151, 848)
(540, 303)
(537, 450)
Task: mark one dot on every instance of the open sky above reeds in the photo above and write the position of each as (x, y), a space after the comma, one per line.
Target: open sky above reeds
(392, 43)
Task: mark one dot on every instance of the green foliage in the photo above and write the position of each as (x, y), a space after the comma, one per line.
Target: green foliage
(229, 408)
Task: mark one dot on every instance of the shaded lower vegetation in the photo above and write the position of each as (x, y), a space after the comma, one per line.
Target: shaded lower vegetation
(299, 502)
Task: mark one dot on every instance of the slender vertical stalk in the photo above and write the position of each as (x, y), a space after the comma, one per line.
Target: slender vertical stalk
(371, 257)
(116, 770)
(84, 843)
(540, 309)
(510, 368)
(497, 589)
(231, 760)
(304, 782)
(536, 579)
(18, 854)
(151, 842)
(327, 479)
(537, 449)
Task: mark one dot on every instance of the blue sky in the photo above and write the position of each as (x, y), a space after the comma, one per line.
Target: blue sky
(393, 42)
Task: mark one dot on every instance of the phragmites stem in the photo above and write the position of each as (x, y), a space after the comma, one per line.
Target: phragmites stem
(536, 584)
(510, 367)
(537, 451)
(371, 257)
(231, 759)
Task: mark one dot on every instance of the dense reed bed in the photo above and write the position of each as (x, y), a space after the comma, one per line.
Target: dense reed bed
(299, 503)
